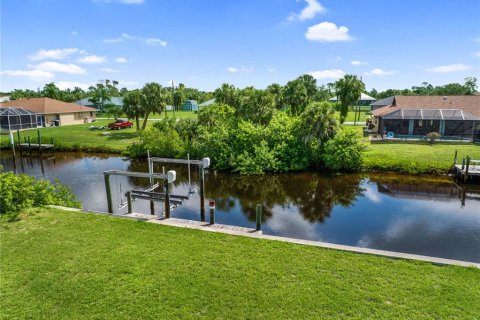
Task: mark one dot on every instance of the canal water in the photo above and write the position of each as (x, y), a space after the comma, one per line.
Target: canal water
(411, 214)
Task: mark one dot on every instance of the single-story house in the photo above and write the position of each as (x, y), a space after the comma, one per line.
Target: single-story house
(118, 101)
(365, 100)
(51, 111)
(190, 105)
(413, 117)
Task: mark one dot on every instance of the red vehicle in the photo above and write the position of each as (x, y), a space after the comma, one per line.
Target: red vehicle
(120, 124)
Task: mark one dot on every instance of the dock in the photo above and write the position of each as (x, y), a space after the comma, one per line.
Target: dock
(468, 168)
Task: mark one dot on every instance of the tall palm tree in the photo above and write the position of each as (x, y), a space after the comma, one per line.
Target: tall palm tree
(154, 98)
(348, 91)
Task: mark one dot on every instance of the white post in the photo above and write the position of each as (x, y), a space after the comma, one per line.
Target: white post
(189, 181)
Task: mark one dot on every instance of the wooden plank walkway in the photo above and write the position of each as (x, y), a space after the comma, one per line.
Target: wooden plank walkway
(473, 170)
(36, 146)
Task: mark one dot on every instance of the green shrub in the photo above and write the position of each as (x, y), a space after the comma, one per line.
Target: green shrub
(343, 152)
(20, 192)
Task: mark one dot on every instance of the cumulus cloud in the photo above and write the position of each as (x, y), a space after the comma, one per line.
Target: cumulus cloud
(379, 72)
(121, 60)
(155, 42)
(56, 54)
(232, 69)
(359, 63)
(327, 74)
(310, 11)
(92, 59)
(450, 68)
(63, 85)
(35, 74)
(51, 66)
(327, 32)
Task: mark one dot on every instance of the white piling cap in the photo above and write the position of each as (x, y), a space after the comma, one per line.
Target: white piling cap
(206, 162)
(171, 176)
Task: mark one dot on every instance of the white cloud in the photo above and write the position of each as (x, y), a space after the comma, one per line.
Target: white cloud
(450, 68)
(35, 74)
(63, 85)
(73, 33)
(272, 70)
(92, 59)
(240, 69)
(477, 54)
(379, 72)
(56, 54)
(327, 74)
(155, 42)
(327, 32)
(358, 63)
(127, 36)
(121, 60)
(115, 40)
(51, 66)
(310, 11)
(121, 1)
(108, 70)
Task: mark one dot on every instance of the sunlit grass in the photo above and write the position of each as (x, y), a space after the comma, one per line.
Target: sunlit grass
(67, 265)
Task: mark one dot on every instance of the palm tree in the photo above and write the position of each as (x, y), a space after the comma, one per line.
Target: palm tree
(348, 91)
(318, 122)
(132, 107)
(50, 90)
(154, 98)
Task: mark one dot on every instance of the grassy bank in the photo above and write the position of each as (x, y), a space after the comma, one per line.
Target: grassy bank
(403, 157)
(79, 137)
(66, 265)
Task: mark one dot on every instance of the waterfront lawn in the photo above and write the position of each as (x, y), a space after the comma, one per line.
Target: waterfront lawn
(69, 265)
(80, 137)
(418, 157)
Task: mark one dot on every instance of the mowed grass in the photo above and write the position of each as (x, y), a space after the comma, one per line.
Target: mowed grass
(419, 157)
(79, 137)
(69, 265)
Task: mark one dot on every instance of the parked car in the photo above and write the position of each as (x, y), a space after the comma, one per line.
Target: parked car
(120, 124)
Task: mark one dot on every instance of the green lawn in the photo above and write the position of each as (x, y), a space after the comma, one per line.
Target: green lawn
(351, 116)
(421, 157)
(69, 265)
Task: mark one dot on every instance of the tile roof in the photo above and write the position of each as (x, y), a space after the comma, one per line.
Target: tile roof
(470, 104)
(46, 106)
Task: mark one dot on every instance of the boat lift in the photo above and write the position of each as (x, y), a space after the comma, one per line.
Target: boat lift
(165, 197)
(202, 165)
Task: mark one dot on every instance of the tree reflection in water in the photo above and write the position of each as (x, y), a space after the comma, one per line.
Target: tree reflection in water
(314, 195)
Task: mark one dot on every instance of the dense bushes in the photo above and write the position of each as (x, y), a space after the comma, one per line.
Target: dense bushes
(285, 143)
(19, 192)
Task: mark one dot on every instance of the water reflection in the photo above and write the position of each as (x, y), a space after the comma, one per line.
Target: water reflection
(423, 215)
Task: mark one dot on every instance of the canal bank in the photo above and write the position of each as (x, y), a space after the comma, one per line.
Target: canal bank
(411, 214)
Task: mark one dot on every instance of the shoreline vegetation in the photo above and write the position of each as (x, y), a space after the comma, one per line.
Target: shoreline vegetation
(411, 158)
(105, 267)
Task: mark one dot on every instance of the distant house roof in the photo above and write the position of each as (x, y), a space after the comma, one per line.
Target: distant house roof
(118, 101)
(46, 106)
(207, 103)
(383, 102)
(363, 97)
(469, 106)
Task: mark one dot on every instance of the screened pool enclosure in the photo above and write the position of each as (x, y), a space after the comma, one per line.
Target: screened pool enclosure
(452, 124)
(17, 118)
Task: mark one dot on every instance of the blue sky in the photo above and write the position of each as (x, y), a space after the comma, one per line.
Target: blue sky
(390, 44)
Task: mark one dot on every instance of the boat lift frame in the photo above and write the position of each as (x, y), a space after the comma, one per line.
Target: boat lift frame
(202, 165)
(168, 177)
